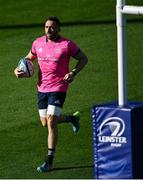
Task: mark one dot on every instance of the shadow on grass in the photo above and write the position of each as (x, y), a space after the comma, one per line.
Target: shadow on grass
(72, 167)
(74, 23)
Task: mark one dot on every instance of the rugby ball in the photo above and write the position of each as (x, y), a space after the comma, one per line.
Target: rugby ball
(26, 66)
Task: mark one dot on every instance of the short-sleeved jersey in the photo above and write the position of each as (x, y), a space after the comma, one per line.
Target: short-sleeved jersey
(53, 61)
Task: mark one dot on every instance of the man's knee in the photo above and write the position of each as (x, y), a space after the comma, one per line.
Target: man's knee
(52, 121)
(43, 121)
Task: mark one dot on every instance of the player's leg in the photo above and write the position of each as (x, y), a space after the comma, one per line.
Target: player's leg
(52, 131)
(53, 114)
(42, 106)
(74, 119)
(52, 119)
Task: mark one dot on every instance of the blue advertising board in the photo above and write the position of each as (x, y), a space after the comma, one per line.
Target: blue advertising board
(112, 138)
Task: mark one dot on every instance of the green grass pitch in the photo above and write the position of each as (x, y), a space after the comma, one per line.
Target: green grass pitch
(22, 139)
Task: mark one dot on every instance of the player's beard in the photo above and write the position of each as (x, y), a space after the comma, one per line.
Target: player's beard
(51, 36)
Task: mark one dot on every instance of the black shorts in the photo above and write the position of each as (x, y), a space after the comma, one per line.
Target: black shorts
(51, 98)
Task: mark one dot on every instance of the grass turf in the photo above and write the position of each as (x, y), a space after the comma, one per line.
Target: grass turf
(20, 125)
(23, 140)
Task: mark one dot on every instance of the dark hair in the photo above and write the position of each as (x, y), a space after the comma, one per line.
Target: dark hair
(55, 19)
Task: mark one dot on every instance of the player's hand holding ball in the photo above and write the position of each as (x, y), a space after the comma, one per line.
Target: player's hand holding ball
(25, 68)
(19, 73)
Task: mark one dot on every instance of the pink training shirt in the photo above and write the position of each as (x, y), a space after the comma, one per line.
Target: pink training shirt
(53, 60)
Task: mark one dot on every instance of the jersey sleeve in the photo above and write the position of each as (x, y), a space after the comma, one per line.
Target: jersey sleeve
(73, 49)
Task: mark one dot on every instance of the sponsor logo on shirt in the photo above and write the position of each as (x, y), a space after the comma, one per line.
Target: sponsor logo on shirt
(40, 50)
(58, 50)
